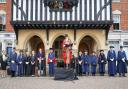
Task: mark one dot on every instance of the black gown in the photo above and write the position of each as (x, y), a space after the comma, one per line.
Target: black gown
(27, 65)
(3, 63)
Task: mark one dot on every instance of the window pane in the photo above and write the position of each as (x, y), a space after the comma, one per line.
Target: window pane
(3, 19)
(116, 26)
(1, 1)
(2, 27)
(125, 43)
(116, 18)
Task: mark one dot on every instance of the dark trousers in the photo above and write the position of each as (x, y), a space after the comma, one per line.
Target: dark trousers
(51, 68)
(20, 70)
(32, 69)
(79, 69)
(27, 69)
(93, 69)
(13, 73)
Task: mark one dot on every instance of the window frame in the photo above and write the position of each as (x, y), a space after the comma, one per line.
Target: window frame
(118, 21)
(3, 23)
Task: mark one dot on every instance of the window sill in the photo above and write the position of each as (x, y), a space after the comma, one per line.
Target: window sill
(115, 1)
(3, 2)
(117, 30)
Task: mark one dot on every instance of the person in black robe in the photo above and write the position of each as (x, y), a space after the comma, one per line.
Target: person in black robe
(79, 64)
(102, 62)
(27, 64)
(4, 58)
(33, 61)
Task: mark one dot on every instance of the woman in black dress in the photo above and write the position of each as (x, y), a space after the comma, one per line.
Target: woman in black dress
(4, 58)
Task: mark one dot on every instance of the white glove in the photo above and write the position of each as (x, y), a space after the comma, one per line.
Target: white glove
(123, 59)
(80, 62)
(50, 60)
(12, 61)
(20, 62)
(27, 62)
(102, 61)
(39, 61)
(42, 58)
(112, 59)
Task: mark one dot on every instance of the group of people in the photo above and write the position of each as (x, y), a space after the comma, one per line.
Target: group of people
(27, 64)
(116, 63)
(32, 64)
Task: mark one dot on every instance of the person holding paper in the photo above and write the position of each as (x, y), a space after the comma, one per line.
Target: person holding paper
(41, 62)
(51, 62)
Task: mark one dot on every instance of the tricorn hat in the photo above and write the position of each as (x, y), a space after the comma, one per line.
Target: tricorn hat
(121, 46)
(50, 48)
(101, 50)
(111, 47)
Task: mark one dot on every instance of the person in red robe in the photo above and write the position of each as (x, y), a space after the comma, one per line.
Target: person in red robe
(67, 51)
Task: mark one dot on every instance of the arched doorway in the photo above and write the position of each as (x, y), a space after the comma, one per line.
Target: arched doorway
(34, 43)
(89, 44)
(57, 45)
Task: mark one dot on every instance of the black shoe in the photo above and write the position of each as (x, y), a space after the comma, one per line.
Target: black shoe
(124, 75)
(111, 75)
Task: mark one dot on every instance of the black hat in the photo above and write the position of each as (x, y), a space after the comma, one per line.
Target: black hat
(101, 50)
(111, 47)
(50, 48)
(121, 46)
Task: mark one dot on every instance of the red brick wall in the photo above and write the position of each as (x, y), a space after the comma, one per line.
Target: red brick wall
(8, 17)
(7, 7)
(123, 7)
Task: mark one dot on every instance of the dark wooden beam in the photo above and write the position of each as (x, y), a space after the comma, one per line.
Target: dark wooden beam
(47, 33)
(75, 34)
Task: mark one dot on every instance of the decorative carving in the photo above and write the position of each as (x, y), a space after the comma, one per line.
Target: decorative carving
(61, 5)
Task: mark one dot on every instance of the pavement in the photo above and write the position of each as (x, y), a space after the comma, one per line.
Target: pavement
(84, 82)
